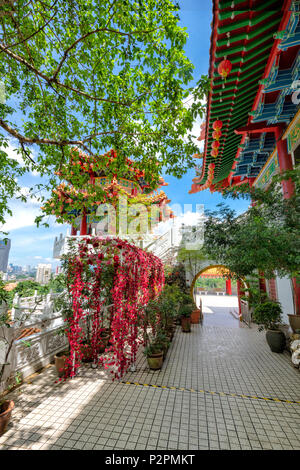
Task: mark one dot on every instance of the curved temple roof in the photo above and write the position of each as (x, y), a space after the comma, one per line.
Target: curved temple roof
(246, 33)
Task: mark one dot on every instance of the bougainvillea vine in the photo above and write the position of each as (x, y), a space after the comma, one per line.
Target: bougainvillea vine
(110, 283)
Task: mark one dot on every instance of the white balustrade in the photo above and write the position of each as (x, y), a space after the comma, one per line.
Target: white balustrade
(29, 354)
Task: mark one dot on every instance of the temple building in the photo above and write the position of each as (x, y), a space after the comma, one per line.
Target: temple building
(252, 128)
(123, 205)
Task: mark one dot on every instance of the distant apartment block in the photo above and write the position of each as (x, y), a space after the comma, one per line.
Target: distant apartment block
(43, 273)
(4, 253)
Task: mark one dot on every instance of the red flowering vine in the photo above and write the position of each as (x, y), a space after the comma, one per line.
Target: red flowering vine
(109, 272)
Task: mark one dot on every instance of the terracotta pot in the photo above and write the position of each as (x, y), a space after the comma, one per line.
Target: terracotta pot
(294, 322)
(5, 415)
(155, 361)
(60, 364)
(195, 316)
(186, 324)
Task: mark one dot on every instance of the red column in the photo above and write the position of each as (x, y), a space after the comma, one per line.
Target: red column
(296, 293)
(238, 285)
(228, 287)
(285, 163)
(262, 283)
(73, 230)
(83, 224)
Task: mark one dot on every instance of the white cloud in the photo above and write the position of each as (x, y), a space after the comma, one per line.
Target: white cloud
(196, 126)
(23, 216)
(186, 218)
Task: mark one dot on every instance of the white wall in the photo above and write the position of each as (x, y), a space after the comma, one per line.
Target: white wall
(285, 297)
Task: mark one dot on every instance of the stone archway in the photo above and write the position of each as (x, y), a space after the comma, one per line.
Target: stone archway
(241, 283)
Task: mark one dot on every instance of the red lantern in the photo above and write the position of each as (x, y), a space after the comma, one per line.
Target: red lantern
(224, 68)
(216, 144)
(214, 152)
(216, 135)
(217, 125)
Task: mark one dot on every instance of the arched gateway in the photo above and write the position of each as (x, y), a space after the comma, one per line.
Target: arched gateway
(214, 271)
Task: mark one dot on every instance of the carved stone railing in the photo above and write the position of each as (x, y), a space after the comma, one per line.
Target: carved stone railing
(30, 353)
(32, 306)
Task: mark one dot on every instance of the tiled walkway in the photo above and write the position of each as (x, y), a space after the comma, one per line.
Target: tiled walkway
(221, 355)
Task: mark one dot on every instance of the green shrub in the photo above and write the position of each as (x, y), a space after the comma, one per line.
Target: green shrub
(153, 348)
(268, 315)
(186, 310)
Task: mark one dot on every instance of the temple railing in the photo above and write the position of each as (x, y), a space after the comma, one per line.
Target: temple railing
(32, 338)
(246, 312)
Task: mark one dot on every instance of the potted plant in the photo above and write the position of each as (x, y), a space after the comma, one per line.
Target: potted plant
(294, 321)
(268, 316)
(59, 360)
(154, 354)
(6, 408)
(185, 313)
(162, 341)
(195, 315)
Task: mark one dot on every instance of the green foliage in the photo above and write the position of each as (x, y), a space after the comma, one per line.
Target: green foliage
(175, 275)
(186, 310)
(95, 75)
(152, 348)
(210, 283)
(57, 283)
(268, 315)
(161, 340)
(4, 295)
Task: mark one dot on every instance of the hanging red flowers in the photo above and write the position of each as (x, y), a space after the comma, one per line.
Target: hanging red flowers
(113, 272)
(224, 68)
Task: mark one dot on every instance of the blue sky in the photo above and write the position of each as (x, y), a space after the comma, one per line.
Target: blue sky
(32, 245)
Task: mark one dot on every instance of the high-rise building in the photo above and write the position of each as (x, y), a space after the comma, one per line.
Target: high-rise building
(4, 253)
(43, 273)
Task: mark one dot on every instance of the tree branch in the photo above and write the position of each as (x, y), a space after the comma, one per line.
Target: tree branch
(35, 32)
(49, 80)
(95, 31)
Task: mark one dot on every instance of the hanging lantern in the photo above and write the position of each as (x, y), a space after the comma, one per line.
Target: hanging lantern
(216, 144)
(216, 135)
(214, 152)
(217, 125)
(224, 68)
